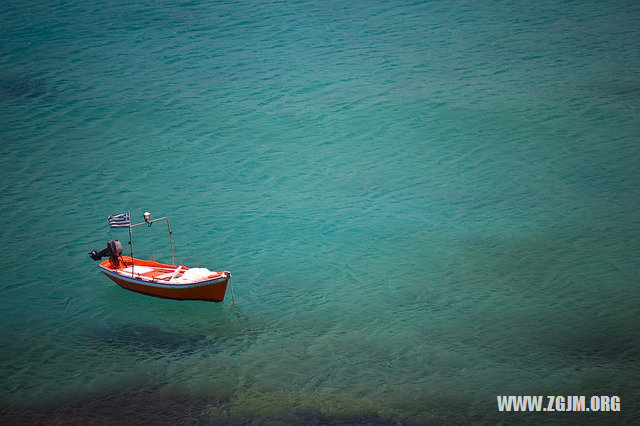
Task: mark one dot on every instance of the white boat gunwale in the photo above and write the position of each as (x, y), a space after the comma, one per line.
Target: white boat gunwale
(133, 280)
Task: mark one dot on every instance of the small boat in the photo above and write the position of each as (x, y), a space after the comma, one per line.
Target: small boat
(158, 279)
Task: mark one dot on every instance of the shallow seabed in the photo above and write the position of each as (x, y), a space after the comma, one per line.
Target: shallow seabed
(423, 204)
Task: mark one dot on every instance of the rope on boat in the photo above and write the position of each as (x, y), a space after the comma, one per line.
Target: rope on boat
(233, 299)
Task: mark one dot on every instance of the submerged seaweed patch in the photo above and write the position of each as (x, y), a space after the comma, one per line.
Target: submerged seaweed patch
(154, 406)
(22, 87)
(119, 407)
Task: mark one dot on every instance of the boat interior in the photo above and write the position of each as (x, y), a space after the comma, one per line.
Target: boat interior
(163, 273)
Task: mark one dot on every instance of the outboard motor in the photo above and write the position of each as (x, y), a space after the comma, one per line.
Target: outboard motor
(113, 250)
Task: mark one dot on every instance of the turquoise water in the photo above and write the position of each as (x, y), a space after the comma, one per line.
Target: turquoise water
(423, 204)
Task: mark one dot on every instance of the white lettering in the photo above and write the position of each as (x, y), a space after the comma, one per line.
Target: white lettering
(560, 403)
(605, 403)
(536, 403)
(615, 403)
(595, 403)
(504, 403)
(551, 399)
(578, 403)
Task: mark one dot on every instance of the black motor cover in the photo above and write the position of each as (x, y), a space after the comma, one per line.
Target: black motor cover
(115, 247)
(113, 250)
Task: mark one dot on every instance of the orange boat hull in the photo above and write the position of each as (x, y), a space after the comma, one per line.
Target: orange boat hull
(212, 289)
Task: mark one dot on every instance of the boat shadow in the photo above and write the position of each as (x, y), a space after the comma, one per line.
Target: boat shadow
(205, 334)
(147, 337)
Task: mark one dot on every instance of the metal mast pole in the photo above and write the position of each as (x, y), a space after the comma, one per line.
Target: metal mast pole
(131, 245)
(149, 222)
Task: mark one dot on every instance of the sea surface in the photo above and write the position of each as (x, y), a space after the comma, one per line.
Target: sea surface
(424, 205)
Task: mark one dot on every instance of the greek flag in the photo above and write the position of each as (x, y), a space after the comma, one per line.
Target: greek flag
(120, 220)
